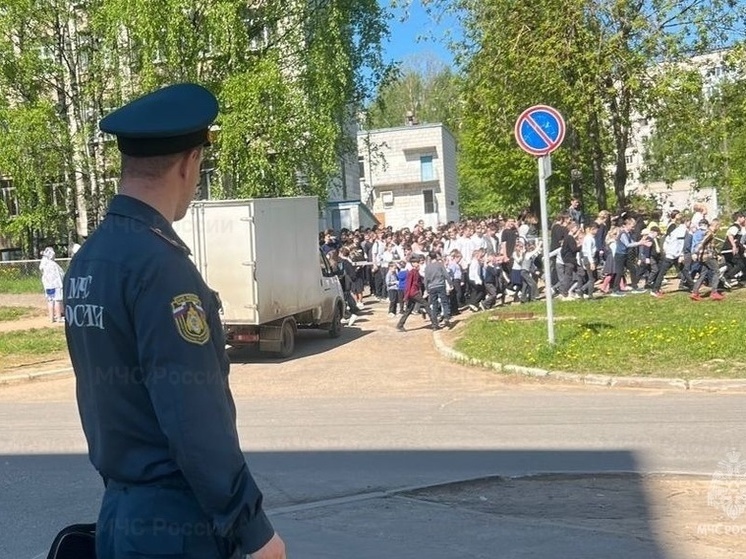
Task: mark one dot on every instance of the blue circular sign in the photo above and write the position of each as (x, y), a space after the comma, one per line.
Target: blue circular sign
(540, 130)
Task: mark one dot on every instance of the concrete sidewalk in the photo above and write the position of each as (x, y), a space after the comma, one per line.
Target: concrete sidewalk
(577, 517)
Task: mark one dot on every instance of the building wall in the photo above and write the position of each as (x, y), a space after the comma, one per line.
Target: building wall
(393, 174)
(346, 186)
(682, 194)
(450, 174)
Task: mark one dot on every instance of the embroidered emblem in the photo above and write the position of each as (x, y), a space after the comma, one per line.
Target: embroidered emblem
(189, 315)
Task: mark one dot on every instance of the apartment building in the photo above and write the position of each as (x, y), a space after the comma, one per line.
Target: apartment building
(409, 174)
(682, 193)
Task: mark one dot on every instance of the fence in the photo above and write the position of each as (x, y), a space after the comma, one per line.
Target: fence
(23, 276)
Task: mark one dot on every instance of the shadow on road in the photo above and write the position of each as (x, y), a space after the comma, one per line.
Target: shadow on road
(307, 343)
(386, 497)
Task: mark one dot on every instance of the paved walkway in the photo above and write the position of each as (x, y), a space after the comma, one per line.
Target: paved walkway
(357, 441)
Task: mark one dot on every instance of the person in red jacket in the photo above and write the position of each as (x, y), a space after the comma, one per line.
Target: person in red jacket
(412, 292)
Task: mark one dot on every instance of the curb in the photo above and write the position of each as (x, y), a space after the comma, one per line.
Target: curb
(39, 375)
(701, 385)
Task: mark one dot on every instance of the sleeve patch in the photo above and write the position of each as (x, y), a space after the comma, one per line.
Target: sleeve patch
(190, 318)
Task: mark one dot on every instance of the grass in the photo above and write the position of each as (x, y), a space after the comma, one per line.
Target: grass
(25, 347)
(635, 335)
(20, 284)
(14, 313)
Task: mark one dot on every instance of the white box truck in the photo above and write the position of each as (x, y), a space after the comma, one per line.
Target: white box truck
(262, 257)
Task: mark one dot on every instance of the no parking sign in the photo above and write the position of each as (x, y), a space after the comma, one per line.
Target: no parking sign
(539, 131)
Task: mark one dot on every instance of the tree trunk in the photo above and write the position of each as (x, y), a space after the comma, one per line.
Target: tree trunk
(597, 162)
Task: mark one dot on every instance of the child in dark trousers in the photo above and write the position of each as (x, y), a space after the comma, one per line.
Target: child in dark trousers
(401, 274)
(392, 285)
(412, 293)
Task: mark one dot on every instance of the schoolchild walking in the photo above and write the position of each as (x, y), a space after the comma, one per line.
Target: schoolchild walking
(457, 274)
(412, 292)
(401, 275)
(438, 285)
(588, 254)
(707, 257)
(392, 286)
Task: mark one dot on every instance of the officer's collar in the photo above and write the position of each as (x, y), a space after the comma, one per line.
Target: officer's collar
(126, 206)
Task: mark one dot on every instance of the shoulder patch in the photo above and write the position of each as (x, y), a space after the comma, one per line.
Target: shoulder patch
(190, 318)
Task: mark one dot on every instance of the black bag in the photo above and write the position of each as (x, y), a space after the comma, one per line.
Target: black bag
(75, 542)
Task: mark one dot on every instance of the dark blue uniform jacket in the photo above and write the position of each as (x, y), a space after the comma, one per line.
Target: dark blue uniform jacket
(148, 350)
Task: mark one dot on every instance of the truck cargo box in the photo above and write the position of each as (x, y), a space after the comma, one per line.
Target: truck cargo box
(260, 255)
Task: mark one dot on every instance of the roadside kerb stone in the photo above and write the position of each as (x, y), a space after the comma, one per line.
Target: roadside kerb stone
(593, 380)
(717, 384)
(38, 375)
(597, 380)
(653, 382)
(528, 371)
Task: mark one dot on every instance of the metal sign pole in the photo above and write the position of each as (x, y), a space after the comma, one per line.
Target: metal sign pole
(545, 246)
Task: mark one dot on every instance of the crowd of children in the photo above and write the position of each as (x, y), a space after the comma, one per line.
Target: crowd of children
(477, 265)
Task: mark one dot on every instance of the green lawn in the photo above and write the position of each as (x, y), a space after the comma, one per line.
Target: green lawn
(22, 347)
(14, 313)
(633, 335)
(20, 284)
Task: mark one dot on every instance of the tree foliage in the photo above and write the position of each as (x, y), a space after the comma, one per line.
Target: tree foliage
(700, 133)
(594, 60)
(288, 75)
(423, 87)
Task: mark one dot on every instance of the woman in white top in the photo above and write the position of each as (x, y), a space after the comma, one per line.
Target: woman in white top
(51, 279)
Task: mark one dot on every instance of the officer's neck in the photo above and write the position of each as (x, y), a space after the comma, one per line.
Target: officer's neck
(164, 198)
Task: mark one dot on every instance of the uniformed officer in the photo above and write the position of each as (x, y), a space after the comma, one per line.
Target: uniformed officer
(148, 352)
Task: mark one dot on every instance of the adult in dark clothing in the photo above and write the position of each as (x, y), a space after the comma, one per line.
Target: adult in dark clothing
(509, 236)
(556, 234)
(412, 293)
(330, 242)
(346, 280)
(569, 253)
(148, 351)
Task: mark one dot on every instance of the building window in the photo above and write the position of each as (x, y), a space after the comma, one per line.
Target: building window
(361, 167)
(9, 198)
(58, 193)
(427, 172)
(260, 32)
(428, 197)
(629, 159)
(388, 199)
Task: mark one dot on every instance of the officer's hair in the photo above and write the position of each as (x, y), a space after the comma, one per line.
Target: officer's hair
(148, 167)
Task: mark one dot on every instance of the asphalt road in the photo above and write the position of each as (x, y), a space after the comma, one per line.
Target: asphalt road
(375, 411)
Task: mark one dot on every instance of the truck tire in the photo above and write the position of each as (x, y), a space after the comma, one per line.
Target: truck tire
(335, 328)
(287, 339)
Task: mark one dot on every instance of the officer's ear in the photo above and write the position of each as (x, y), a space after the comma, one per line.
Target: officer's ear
(188, 160)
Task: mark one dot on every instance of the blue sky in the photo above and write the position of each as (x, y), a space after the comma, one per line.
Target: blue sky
(419, 34)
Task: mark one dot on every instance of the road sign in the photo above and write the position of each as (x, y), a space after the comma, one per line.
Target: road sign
(540, 130)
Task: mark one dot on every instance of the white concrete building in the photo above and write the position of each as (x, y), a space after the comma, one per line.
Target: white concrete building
(409, 174)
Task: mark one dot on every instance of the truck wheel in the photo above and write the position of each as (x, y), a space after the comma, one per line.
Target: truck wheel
(335, 328)
(287, 339)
